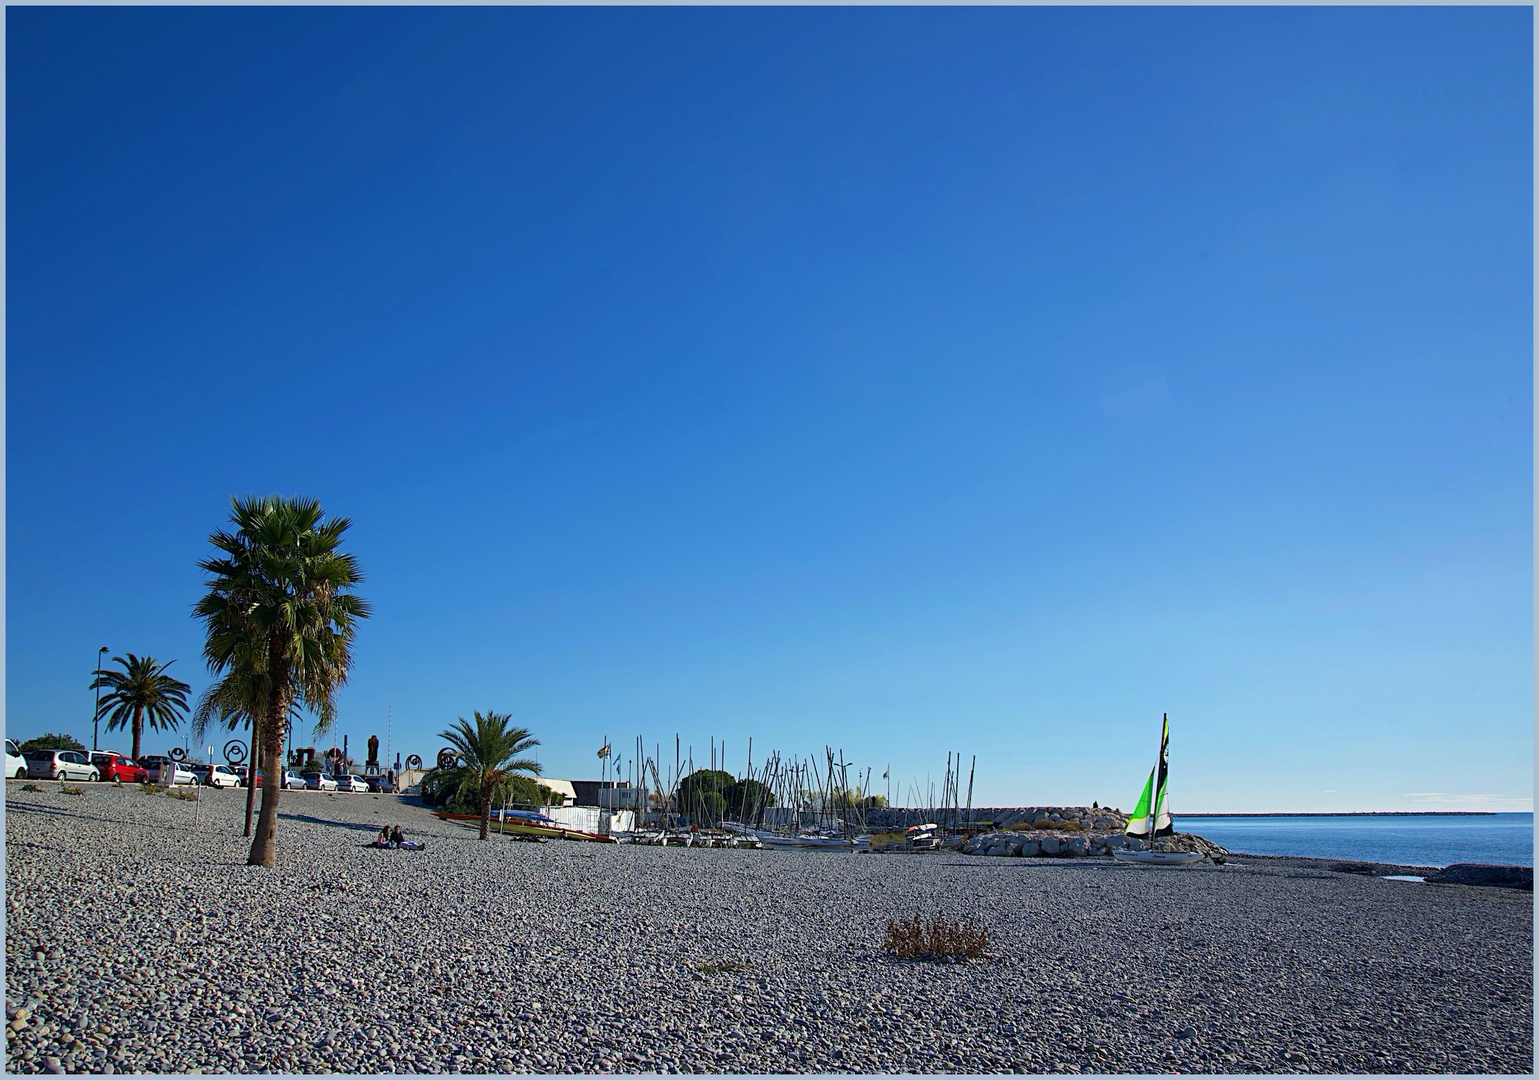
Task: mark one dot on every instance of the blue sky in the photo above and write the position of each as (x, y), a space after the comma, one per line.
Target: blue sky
(902, 380)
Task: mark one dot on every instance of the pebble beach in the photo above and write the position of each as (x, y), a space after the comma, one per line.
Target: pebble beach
(137, 941)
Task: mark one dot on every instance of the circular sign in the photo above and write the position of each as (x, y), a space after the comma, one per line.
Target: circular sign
(334, 754)
(447, 758)
(178, 754)
(414, 761)
(235, 751)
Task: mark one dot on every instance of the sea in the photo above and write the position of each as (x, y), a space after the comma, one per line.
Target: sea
(1408, 839)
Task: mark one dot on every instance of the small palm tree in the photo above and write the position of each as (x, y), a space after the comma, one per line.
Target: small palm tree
(280, 617)
(238, 699)
(488, 752)
(142, 693)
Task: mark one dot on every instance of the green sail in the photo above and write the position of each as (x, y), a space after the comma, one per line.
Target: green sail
(1138, 820)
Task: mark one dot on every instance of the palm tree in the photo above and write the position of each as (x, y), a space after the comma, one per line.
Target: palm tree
(280, 619)
(487, 752)
(142, 693)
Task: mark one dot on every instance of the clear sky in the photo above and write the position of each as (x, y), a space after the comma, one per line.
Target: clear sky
(902, 380)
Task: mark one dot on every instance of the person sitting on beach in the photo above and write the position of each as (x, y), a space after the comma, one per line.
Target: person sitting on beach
(396, 836)
(384, 836)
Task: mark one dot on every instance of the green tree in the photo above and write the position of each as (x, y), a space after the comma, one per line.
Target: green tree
(701, 794)
(709, 795)
(51, 741)
(142, 693)
(280, 619)
(488, 750)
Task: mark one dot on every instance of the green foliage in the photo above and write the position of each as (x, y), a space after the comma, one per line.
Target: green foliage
(488, 750)
(139, 695)
(52, 742)
(279, 613)
(439, 790)
(713, 794)
(527, 791)
(30, 787)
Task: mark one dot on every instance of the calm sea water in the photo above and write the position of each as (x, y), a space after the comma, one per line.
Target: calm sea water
(1411, 839)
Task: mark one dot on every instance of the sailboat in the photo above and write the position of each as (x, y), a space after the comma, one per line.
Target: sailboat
(1151, 817)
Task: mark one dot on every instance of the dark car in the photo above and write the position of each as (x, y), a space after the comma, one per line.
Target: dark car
(380, 784)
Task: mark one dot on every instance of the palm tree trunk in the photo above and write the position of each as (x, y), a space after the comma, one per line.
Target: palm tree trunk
(251, 770)
(486, 815)
(138, 729)
(262, 845)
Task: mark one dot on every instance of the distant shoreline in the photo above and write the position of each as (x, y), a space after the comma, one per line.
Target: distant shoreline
(1366, 813)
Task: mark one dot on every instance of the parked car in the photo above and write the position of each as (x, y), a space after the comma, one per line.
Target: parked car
(289, 779)
(155, 764)
(60, 765)
(219, 776)
(15, 764)
(352, 783)
(379, 784)
(318, 781)
(115, 767)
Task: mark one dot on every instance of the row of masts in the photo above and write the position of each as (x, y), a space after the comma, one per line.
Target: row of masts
(781, 793)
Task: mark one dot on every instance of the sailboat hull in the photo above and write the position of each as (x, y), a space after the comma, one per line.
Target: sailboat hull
(1160, 858)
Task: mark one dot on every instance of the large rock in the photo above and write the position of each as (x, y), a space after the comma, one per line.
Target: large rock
(1077, 845)
(1500, 877)
(1051, 844)
(999, 847)
(1030, 846)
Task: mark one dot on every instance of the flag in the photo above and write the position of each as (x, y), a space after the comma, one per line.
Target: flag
(604, 751)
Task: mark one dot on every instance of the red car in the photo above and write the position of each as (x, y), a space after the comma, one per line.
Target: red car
(117, 767)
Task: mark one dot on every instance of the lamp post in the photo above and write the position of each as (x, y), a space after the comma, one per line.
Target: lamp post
(95, 713)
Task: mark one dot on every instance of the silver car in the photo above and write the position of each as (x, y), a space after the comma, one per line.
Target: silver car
(319, 781)
(60, 765)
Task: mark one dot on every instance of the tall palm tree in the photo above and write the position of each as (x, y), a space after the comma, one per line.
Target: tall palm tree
(142, 693)
(280, 619)
(488, 752)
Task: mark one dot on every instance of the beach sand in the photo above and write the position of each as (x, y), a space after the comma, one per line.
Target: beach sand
(136, 942)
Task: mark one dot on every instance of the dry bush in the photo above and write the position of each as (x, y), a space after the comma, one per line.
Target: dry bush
(941, 938)
(184, 796)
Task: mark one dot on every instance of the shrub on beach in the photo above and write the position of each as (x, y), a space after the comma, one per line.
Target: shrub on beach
(942, 938)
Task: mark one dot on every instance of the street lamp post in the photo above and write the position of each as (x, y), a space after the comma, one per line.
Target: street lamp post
(96, 712)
